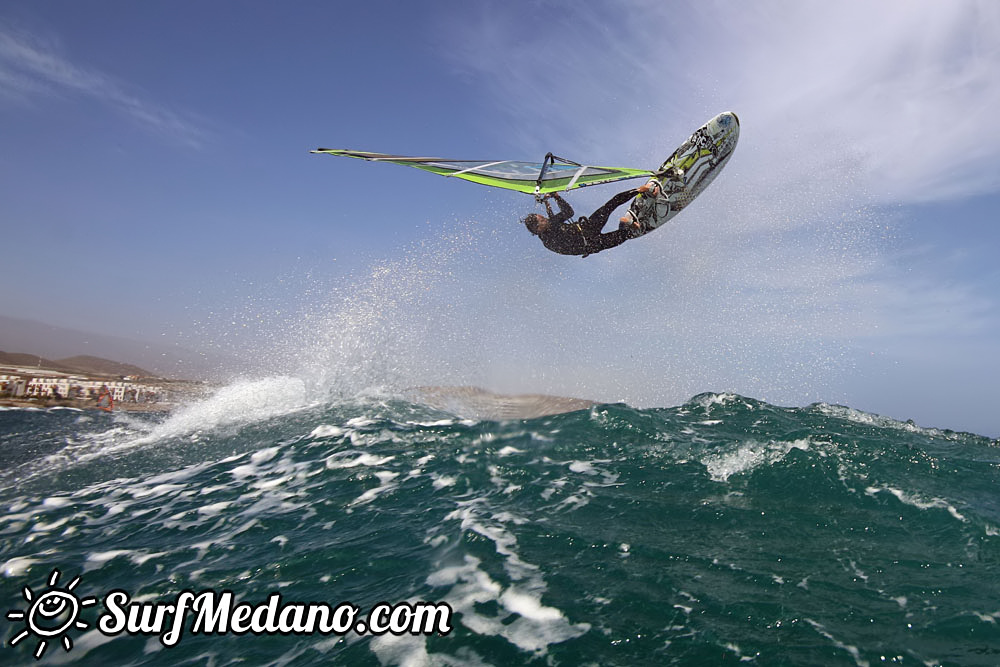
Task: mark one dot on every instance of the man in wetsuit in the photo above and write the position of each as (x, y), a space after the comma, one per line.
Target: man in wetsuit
(560, 234)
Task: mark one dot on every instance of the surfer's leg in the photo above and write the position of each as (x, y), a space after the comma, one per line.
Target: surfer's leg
(599, 218)
(610, 240)
(652, 189)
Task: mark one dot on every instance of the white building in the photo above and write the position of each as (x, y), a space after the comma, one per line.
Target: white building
(13, 385)
(50, 384)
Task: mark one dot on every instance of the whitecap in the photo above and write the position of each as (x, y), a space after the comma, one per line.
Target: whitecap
(264, 455)
(343, 460)
(915, 501)
(16, 567)
(750, 456)
(444, 481)
(326, 431)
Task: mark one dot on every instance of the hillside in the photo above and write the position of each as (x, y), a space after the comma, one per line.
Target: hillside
(99, 366)
(25, 360)
(83, 364)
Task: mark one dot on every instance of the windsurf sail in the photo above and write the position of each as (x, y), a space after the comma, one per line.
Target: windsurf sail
(553, 174)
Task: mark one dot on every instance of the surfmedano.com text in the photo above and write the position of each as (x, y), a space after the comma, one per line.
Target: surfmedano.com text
(218, 613)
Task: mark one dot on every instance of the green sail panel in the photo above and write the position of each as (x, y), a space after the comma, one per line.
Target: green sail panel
(551, 175)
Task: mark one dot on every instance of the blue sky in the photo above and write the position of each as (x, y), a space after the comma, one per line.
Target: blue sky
(155, 183)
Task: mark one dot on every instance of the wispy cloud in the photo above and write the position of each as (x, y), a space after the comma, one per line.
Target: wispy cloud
(33, 66)
(909, 88)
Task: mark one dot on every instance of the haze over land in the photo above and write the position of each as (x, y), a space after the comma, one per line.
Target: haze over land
(54, 343)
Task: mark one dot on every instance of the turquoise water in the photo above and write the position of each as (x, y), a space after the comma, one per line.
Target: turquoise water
(721, 531)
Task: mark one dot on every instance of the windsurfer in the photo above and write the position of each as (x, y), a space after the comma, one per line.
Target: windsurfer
(104, 399)
(560, 234)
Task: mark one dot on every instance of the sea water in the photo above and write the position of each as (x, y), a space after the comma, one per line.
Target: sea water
(721, 531)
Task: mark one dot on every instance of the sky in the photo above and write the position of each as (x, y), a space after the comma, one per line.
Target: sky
(156, 185)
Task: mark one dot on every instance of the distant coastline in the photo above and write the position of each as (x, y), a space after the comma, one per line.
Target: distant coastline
(31, 381)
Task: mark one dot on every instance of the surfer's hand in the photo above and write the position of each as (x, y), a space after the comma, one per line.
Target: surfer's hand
(651, 188)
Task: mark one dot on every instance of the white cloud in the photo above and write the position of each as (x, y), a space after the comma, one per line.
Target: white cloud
(32, 66)
(909, 86)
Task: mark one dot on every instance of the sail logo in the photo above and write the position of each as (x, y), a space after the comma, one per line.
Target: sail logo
(52, 614)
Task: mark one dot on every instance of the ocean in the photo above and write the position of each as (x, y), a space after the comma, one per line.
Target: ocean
(718, 532)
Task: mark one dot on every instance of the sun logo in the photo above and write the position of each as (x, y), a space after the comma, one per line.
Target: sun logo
(51, 614)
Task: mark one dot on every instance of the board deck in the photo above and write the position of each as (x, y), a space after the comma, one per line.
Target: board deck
(688, 171)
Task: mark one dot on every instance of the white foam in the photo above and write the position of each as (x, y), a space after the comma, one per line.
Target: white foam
(852, 650)
(403, 650)
(214, 509)
(987, 618)
(870, 419)
(750, 456)
(142, 558)
(326, 431)
(535, 626)
(244, 471)
(264, 455)
(583, 467)
(386, 486)
(96, 560)
(706, 401)
(509, 451)
(440, 422)
(40, 527)
(16, 567)
(572, 502)
(915, 501)
(156, 491)
(858, 572)
(444, 481)
(268, 484)
(538, 625)
(342, 460)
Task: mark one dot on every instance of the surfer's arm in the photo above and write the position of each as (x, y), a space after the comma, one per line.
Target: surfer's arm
(565, 210)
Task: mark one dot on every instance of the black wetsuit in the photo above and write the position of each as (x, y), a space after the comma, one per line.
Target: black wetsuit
(584, 236)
